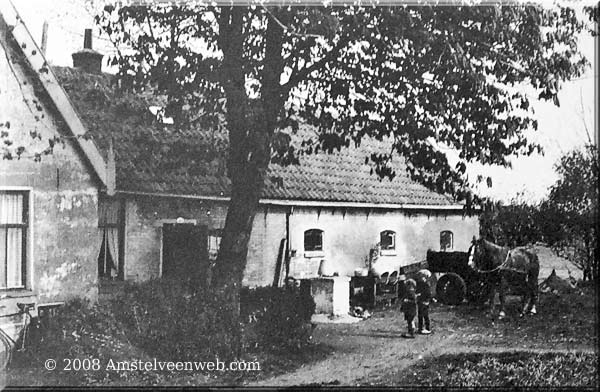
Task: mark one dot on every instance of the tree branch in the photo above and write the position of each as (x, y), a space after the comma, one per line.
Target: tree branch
(287, 29)
(303, 73)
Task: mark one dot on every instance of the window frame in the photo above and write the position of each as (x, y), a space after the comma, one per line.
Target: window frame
(120, 227)
(25, 227)
(387, 251)
(451, 247)
(313, 251)
(390, 233)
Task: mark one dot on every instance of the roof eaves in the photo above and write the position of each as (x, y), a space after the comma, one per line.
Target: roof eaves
(307, 203)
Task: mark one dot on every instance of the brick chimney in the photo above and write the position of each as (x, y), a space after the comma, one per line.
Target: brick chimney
(88, 59)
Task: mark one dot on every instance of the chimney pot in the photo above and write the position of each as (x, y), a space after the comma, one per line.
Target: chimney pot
(87, 58)
(87, 39)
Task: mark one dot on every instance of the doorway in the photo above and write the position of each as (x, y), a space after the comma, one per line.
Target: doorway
(184, 250)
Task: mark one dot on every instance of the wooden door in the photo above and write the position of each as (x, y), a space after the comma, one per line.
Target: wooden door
(184, 250)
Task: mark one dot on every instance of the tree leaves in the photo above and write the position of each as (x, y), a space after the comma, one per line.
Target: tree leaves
(355, 72)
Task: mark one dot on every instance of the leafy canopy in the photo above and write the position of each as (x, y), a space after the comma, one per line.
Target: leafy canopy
(422, 76)
(575, 194)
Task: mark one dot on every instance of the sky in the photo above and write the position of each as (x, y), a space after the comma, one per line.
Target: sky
(560, 129)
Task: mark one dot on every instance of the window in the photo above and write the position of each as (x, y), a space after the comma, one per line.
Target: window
(214, 241)
(110, 263)
(14, 210)
(387, 240)
(446, 240)
(313, 240)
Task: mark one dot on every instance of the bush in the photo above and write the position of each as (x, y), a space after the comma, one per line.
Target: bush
(516, 224)
(78, 331)
(175, 320)
(276, 318)
(168, 320)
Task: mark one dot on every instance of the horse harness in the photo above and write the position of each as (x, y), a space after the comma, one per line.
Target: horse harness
(503, 266)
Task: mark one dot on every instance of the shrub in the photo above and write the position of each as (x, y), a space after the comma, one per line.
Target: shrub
(276, 318)
(78, 331)
(174, 319)
(168, 320)
(178, 319)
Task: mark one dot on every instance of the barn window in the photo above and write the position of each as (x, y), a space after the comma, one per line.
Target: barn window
(14, 211)
(313, 240)
(110, 260)
(214, 241)
(446, 240)
(387, 240)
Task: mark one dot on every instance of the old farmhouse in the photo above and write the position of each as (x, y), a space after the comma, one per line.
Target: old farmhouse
(125, 196)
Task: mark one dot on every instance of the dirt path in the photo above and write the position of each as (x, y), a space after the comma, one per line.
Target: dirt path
(372, 349)
(359, 353)
(363, 354)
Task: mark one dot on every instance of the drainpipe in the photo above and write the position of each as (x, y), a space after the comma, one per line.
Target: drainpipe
(287, 241)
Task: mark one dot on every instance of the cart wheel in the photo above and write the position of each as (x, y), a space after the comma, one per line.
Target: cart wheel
(451, 289)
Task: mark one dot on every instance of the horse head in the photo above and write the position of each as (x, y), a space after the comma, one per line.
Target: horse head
(477, 254)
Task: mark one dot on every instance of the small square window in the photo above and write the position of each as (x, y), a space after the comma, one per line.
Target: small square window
(387, 240)
(446, 240)
(313, 240)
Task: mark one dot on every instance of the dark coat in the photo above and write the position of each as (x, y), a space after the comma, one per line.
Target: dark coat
(423, 292)
(409, 304)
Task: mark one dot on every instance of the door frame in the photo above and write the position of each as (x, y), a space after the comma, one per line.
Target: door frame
(160, 225)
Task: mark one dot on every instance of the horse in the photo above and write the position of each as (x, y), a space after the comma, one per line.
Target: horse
(504, 266)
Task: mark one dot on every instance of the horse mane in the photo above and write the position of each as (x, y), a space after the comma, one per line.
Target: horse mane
(493, 247)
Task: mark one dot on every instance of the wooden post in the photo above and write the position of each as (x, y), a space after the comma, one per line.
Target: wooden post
(44, 37)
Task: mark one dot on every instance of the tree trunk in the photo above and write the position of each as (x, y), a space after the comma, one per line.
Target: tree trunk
(250, 132)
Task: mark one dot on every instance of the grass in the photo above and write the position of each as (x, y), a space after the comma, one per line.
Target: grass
(561, 320)
(511, 369)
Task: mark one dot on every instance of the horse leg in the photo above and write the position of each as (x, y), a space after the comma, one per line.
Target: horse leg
(525, 297)
(533, 291)
(492, 300)
(501, 291)
(525, 301)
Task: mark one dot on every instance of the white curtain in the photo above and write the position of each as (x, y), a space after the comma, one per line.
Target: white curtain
(109, 252)
(11, 240)
(14, 253)
(112, 241)
(11, 208)
(108, 220)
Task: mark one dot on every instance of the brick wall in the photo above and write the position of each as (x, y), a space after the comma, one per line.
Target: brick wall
(145, 216)
(267, 232)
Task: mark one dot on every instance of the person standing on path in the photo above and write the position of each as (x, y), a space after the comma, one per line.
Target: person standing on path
(423, 298)
(409, 307)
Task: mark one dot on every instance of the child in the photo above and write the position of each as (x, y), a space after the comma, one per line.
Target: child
(423, 298)
(409, 307)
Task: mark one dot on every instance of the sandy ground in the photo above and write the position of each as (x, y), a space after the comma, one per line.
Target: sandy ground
(371, 350)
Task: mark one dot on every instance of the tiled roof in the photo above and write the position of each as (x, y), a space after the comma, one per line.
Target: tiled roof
(153, 157)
